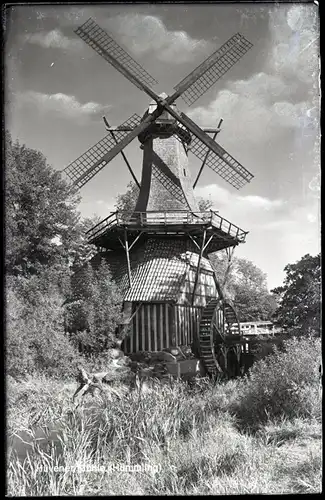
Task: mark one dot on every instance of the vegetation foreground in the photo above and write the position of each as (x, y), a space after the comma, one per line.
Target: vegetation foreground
(260, 434)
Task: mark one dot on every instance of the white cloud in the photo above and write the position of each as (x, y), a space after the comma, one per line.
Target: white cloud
(260, 202)
(260, 118)
(139, 33)
(279, 231)
(284, 94)
(53, 39)
(99, 208)
(61, 104)
(143, 34)
(250, 208)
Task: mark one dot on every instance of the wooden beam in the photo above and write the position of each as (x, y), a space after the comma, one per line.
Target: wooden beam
(195, 242)
(127, 256)
(207, 243)
(130, 319)
(230, 253)
(199, 265)
(206, 156)
(122, 153)
(121, 242)
(116, 128)
(136, 239)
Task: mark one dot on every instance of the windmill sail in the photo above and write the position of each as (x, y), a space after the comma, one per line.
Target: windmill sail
(214, 67)
(223, 164)
(85, 167)
(91, 158)
(103, 44)
(219, 160)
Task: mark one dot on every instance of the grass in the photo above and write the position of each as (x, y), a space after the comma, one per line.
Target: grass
(189, 441)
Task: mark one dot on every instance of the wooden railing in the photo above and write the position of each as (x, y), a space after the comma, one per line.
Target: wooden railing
(166, 218)
(102, 226)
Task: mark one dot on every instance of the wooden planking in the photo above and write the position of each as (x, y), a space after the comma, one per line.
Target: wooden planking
(188, 319)
(167, 326)
(157, 326)
(142, 335)
(137, 329)
(161, 325)
(151, 328)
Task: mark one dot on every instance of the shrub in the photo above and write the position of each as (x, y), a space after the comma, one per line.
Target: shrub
(35, 337)
(285, 383)
(93, 311)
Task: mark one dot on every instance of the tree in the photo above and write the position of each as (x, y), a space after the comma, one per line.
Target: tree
(299, 299)
(80, 251)
(41, 216)
(126, 202)
(204, 205)
(249, 288)
(45, 244)
(245, 284)
(94, 309)
(35, 336)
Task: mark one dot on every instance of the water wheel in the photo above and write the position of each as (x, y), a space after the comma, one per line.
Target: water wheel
(220, 339)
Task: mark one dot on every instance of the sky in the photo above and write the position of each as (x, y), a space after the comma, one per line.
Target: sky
(58, 89)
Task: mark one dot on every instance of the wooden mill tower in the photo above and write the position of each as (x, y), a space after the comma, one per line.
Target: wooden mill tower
(159, 253)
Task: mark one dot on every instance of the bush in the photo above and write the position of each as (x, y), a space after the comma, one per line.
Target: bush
(94, 309)
(35, 338)
(285, 383)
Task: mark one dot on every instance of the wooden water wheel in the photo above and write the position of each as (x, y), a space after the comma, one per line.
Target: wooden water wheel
(220, 339)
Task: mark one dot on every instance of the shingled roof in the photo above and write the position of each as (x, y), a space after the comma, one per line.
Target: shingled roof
(158, 268)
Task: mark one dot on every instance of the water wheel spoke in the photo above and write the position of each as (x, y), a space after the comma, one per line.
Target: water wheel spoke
(223, 323)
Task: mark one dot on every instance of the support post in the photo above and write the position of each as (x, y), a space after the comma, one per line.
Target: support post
(207, 243)
(195, 243)
(199, 265)
(122, 153)
(126, 243)
(136, 239)
(230, 254)
(206, 156)
(123, 330)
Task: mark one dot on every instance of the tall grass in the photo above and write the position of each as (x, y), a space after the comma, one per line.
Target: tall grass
(193, 439)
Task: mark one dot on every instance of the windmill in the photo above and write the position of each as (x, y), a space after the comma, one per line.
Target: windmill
(159, 253)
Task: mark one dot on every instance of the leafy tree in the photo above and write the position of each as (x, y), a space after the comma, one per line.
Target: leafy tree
(45, 245)
(35, 336)
(204, 205)
(245, 284)
(93, 311)
(249, 288)
(126, 202)
(80, 251)
(299, 299)
(41, 216)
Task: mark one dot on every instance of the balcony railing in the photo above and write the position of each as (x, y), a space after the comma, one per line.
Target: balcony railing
(166, 218)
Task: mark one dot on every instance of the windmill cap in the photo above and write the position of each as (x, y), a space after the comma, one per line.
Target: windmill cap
(163, 95)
